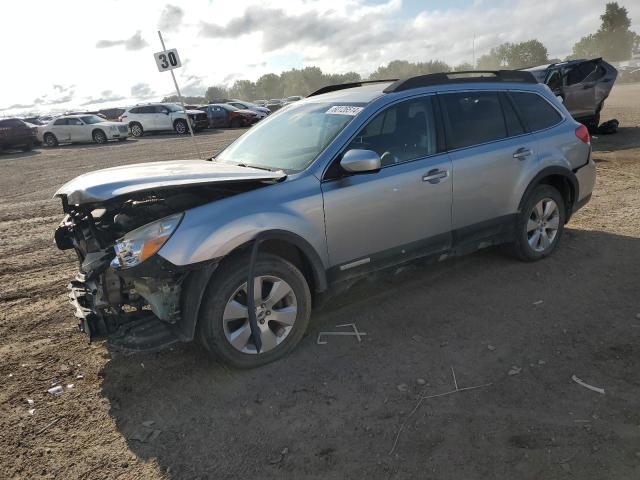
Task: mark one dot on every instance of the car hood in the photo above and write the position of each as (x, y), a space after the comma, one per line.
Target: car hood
(103, 185)
(194, 112)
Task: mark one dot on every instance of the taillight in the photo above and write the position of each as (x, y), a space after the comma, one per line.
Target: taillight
(582, 133)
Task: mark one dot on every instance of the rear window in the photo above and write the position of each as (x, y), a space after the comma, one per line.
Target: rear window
(473, 118)
(537, 113)
(60, 121)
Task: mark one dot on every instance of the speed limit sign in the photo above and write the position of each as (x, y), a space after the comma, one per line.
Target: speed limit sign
(167, 60)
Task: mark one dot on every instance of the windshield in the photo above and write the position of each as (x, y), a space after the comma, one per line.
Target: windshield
(91, 119)
(173, 108)
(292, 138)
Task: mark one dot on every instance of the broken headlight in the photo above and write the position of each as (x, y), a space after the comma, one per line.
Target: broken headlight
(139, 244)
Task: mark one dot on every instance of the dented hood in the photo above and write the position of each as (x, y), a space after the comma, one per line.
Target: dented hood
(105, 184)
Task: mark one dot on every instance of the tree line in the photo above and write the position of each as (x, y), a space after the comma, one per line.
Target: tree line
(613, 40)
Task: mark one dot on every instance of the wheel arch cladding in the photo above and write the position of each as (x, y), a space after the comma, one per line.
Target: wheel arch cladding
(287, 245)
(563, 179)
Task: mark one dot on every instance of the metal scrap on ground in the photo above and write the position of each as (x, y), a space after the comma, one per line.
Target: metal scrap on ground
(586, 385)
(422, 397)
(356, 333)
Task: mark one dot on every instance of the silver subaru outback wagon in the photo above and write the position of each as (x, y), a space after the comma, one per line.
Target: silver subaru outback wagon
(236, 250)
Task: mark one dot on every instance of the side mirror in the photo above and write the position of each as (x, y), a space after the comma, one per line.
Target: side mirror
(360, 161)
(560, 99)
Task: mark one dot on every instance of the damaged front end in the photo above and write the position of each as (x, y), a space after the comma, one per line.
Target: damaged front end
(124, 291)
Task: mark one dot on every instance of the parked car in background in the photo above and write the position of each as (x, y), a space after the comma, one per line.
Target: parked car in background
(261, 103)
(225, 115)
(242, 105)
(583, 86)
(291, 99)
(162, 117)
(274, 104)
(111, 113)
(81, 129)
(356, 178)
(34, 121)
(15, 133)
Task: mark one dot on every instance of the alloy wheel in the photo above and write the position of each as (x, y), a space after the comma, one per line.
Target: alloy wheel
(136, 130)
(276, 312)
(543, 225)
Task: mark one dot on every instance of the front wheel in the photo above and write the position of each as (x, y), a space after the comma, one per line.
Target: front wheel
(181, 127)
(540, 224)
(136, 129)
(50, 140)
(283, 308)
(99, 137)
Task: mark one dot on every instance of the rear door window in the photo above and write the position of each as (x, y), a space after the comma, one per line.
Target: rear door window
(536, 112)
(473, 118)
(60, 121)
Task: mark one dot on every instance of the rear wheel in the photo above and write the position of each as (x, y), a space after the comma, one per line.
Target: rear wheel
(540, 224)
(50, 140)
(136, 129)
(180, 126)
(99, 136)
(283, 308)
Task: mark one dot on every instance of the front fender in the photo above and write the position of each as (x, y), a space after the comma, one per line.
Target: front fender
(213, 230)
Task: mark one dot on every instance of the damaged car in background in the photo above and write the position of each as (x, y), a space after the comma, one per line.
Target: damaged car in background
(583, 86)
(234, 251)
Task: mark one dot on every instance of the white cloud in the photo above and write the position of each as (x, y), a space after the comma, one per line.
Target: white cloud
(336, 35)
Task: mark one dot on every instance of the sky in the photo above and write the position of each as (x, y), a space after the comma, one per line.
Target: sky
(76, 54)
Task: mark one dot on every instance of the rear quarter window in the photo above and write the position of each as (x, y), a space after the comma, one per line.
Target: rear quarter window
(537, 113)
(473, 118)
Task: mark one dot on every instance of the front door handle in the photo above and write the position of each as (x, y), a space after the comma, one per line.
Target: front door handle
(435, 175)
(522, 153)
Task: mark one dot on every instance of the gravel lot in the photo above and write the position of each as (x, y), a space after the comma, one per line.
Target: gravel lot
(334, 411)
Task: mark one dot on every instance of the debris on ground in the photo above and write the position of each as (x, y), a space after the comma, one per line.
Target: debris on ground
(403, 387)
(148, 423)
(491, 347)
(56, 391)
(279, 458)
(586, 385)
(538, 302)
(354, 333)
(422, 397)
(421, 381)
(609, 127)
(154, 436)
(515, 370)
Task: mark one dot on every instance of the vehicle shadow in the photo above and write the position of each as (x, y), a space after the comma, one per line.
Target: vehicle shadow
(333, 410)
(14, 154)
(625, 139)
(74, 146)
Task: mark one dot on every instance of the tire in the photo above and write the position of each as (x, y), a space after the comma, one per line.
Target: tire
(538, 230)
(181, 127)
(99, 137)
(50, 140)
(223, 300)
(136, 129)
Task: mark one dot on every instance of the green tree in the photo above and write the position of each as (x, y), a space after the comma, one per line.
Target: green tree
(243, 90)
(402, 68)
(514, 55)
(217, 92)
(269, 86)
(613, 40)
(463, 67)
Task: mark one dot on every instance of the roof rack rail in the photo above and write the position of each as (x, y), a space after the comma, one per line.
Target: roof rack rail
(472, 76)
(343, 86)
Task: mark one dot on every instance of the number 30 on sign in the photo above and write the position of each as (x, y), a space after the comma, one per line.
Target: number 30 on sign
(167, 60)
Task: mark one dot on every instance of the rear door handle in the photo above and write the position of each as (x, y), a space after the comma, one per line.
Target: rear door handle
(521, 153)
(435, 175)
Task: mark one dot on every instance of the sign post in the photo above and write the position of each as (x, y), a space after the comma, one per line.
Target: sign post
(168, 60)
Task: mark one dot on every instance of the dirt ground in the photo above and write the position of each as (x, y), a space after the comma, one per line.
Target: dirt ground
(334, 411)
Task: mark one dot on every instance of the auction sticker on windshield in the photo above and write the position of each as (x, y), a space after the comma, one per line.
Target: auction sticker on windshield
(344, 110)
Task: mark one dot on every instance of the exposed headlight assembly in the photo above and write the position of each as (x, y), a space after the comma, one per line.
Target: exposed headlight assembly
(139, 244)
